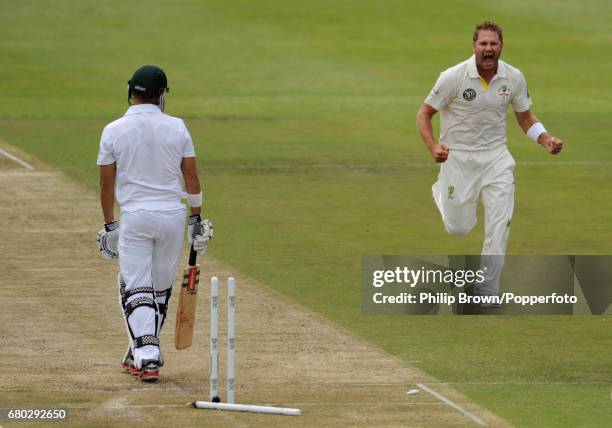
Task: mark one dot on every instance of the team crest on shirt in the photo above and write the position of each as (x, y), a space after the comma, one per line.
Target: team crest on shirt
(504, 91)
(469, 94)
(451, 192)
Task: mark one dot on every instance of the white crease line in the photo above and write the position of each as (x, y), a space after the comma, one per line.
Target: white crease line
(311, 403)
(291, 404)
(580, 163)
(384, 165)
(343, 384)
(362, 404)
(453, 405)
(97, 389)
(16, 159)
(144, 406)
(518, 383)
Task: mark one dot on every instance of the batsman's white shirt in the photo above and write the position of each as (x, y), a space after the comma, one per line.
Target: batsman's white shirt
(472, 112)
(148, 147)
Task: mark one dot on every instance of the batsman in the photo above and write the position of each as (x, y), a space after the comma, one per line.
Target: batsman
(472, 98)
(147, 163)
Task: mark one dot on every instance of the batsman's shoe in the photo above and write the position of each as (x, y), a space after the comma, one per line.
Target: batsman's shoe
(130, 368)
(127, 363)
(150, 371)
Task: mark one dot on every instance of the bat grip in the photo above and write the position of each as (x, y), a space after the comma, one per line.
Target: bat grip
(192, 256)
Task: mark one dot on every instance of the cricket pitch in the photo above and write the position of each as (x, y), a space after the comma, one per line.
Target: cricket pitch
(63, 337)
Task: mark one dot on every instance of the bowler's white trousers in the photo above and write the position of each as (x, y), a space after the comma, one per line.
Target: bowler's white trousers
(463, 178)
(150, 244)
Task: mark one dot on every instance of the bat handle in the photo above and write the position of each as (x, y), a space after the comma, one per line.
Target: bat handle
(192, 256)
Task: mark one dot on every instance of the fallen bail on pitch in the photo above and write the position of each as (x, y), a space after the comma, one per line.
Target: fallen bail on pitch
(215, 401)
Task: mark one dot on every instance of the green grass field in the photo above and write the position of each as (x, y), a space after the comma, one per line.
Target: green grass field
(303, 118)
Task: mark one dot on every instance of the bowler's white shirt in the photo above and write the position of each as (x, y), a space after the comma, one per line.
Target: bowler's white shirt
(472, 113)
(148, 147)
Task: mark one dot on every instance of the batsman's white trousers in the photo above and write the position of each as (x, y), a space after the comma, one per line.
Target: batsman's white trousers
(150, 244)
(463, 178)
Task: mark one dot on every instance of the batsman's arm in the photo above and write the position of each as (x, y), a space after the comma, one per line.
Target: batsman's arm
(107, 191)
(192, 182)
(423, 122)
(526, 119)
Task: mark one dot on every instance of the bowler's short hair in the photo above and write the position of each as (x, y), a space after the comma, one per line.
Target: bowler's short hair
(488, 26)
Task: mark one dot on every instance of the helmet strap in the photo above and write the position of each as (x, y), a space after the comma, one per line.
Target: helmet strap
(162, 101)
(129, 95)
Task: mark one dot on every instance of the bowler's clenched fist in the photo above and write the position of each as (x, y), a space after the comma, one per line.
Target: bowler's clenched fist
(439, 152)
(552, 144)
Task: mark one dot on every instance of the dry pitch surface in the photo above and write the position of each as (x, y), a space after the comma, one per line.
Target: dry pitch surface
(62, 337)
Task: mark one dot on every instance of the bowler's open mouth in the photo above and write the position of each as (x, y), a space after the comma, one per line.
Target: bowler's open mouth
(488, 58)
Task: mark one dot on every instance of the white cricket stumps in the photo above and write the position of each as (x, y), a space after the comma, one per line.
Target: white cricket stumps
(214, 338)
(214, 402)
(231, 337)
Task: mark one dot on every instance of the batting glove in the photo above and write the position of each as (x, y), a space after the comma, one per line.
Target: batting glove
(199, 233)
(108, 238)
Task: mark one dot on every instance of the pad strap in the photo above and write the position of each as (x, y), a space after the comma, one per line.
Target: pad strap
(138, 290)
(163, 306)
(163, 292)
(126, 294)
(137, 303)
(141, 341)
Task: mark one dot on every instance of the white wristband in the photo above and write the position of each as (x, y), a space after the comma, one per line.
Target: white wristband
(194, 201)
(535, 131)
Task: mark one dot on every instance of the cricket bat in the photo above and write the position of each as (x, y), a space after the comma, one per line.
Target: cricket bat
(185, 315)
